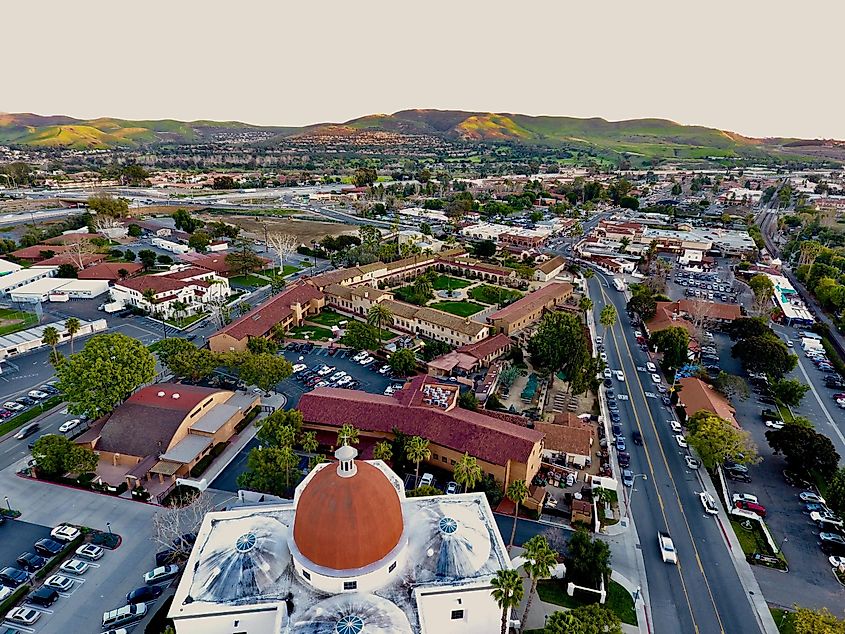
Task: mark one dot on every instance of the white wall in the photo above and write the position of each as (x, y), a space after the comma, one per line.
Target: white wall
(436, 604)
(268, 619)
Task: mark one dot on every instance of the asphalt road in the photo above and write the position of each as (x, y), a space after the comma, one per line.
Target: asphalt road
(703, 593)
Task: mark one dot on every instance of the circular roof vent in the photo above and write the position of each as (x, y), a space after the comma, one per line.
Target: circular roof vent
(447, 525)
(160, 394)
(350, 624)
(176, 395)
(245, 542)
(352, 614)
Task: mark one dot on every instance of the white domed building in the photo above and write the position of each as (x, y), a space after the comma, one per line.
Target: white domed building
(350, 555)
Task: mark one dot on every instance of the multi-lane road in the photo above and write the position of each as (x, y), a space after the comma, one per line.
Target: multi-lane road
(703, 593)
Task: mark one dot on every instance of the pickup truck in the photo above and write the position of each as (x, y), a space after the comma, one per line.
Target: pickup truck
(667, 548)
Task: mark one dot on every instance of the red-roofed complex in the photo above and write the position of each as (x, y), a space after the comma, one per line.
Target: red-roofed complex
(522, 312)
(429, 409)
(190, 289)
(111, 271)
(288, 308)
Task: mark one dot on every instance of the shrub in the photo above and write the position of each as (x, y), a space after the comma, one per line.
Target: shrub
(198, 469)
(13, 598)
(250, 416)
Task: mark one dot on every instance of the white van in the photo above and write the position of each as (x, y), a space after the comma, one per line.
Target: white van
(126, 614)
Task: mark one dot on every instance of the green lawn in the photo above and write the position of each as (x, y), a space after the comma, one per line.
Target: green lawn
(16, 421)
(328, 318)
(315, 333)
(487, 294)
(15, 320)
(408, 294)
(288, 269)
(445, 282)
(784, 619)
(184, 322)
(461, 309)
(248, 280)
(619, 600)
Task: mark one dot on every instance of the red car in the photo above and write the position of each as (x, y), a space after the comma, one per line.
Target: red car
(758, 509)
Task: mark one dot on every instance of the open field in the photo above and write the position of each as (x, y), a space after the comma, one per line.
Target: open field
(303, 230)
(314, 333)
(619, 600)
(15, 320)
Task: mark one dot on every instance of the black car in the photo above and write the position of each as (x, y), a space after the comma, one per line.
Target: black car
(608, 382)
(13, 577)
(737, 476)
(26, 400)
(48, 547)
(185, 541)
(44, 596)
(30, 561)
(637, 438)
(144, 594)
(169, 556)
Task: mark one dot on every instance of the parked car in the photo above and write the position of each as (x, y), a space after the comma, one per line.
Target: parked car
(124, 614)
(74, 566)
(624, 459)
(708, 503)
(811, 497)
(48, 547)
(37, 395)
(23, 615)
(814, 506)
(44, 596)
(628, 478)
(620, 376)
(692, 463)
(758, 509)
(12, 405)
(13, 577)
(426, 480)
(832, 543)
(59, 582)
(90, 551)
(682, 442)
(30, 561)
(162, 573)
(451, 488)
(65, 533)
(144, 594)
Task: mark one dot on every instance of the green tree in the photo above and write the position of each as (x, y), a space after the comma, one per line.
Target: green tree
(244, 262)
(836, 491)
(199, 241)
(184, 359)
(517, 493)
(588, 560)
(717, 440)
(808, 621)
(644, 304)
(673, 342)
(607, 317)
(281, 428)
(422, 286)
(67, 271)
(807, 452)
(379, 315)
(97, 378)
(746, 327)
(347, 435)
(585, 304)
(264, 370)
(624, 243)
(467, 472)
(423, 491)
(185, 222)
(56, 455)
(51, 338)
(507, 592)
(540, 562)
(731, 385)
(416, 450)
(766, 354)
(560, 343)
(763, 290)
(108, 205)
(467, 400)
(484, 249)
(259, 345)
(364, 177)
(592, 618)
(383, 451)
(403, 362)
(361, 336)
(270, 470)
(129, 256)
(789, 391)
(148, 258)
(72, 327)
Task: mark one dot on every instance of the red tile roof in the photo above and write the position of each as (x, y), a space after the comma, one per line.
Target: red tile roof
(484, 437)
(696, 395)
(487, 346)
(159, 283)
(259, 321)
(108, 270)
(532, 302)
(34, 252)
(68, 258)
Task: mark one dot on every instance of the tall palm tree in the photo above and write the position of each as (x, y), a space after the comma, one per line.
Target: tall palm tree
(417, 450)
(309, 441)
(377, 315)
(178, 308)
(540, 561)
(507, 592)
(517, 492)
(607, 317)
(51, 338)
(588, 274)
(347, 435)
(383, 451)
(422, 285)
(149, 295)
(585, 304)
(467, 472)
(72, 327)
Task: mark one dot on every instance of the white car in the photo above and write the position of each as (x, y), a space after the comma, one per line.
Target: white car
(676, 426)
(13, 405)
(744, 497)
(638, 334)
(603, 356)
(60, 583)
(599, 340)
(65, 533)
(23, 615)
(810, 497)
(73, 423)
(708, 503)
(38, 394)
(682, 442)
(337, 375)
(656, 378)
(774, 424)
(367, 360)
(361, 355)
(5, 593)
(326, 370)
(161, 574)
(90, 551)
(622, 397)
(607, 373)
(651, 367)
(692, 463)
(344, 381)
(831, 519)
(620, 376)
(74, 566)
(836, 561)
(299, 367)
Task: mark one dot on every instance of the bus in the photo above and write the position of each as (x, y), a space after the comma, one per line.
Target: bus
(618, 284)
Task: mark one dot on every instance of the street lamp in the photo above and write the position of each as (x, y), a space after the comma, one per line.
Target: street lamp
(314, 253)
(108, 526)
(644, 476)
(8, 506)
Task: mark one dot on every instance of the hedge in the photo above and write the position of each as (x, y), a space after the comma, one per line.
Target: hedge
(198, 469)
(250, 416)
(13, 598)
(57, 559)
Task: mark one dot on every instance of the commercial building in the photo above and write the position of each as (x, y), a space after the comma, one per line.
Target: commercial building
(469, 358)
(33, 338)
(516, 316)
(181, 424)
(785, 298)
(58, 289)
(427, 408)
(7, 267)
(695, 395)
(190, 288)
(350, 554)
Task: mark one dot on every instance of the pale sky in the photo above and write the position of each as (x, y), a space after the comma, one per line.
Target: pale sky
(770, 68)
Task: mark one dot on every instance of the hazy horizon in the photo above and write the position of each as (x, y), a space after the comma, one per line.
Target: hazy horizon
(758, 69)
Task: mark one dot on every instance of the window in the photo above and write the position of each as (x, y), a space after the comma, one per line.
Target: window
(457, 615)
(444, 458)
(435, 456)
(453, 462)
(392, 567)
(306, 574)
(350, 585)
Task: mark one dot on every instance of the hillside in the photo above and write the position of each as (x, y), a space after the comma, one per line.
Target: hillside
(634, 139)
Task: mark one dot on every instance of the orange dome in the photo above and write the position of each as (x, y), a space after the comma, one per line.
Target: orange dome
(344, 523)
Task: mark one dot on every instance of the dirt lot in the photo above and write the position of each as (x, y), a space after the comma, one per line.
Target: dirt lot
(302, 230)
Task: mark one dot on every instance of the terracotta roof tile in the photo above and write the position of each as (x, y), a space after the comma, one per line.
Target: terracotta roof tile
(532, 302)
(696, 395)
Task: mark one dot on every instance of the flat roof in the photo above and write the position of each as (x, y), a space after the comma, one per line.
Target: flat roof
(187, 449)
(222, 413)
(24, 275)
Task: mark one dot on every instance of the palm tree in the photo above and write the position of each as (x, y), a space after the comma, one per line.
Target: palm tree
(507, 592)
(540, 561)
(72, 327)
(347, 435)
(377, 315)
(467, 473)
(149, 295)
(178, 308)
(517, 492)
(422, 285)
(588, 274)
(51, 338)
(309, 441)
(585, 304)
(607, 317)
(417, 450)
(383, 451)
(623, 244)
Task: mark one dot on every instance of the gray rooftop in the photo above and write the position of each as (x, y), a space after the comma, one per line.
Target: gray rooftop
(187, 449)
(220, 414)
